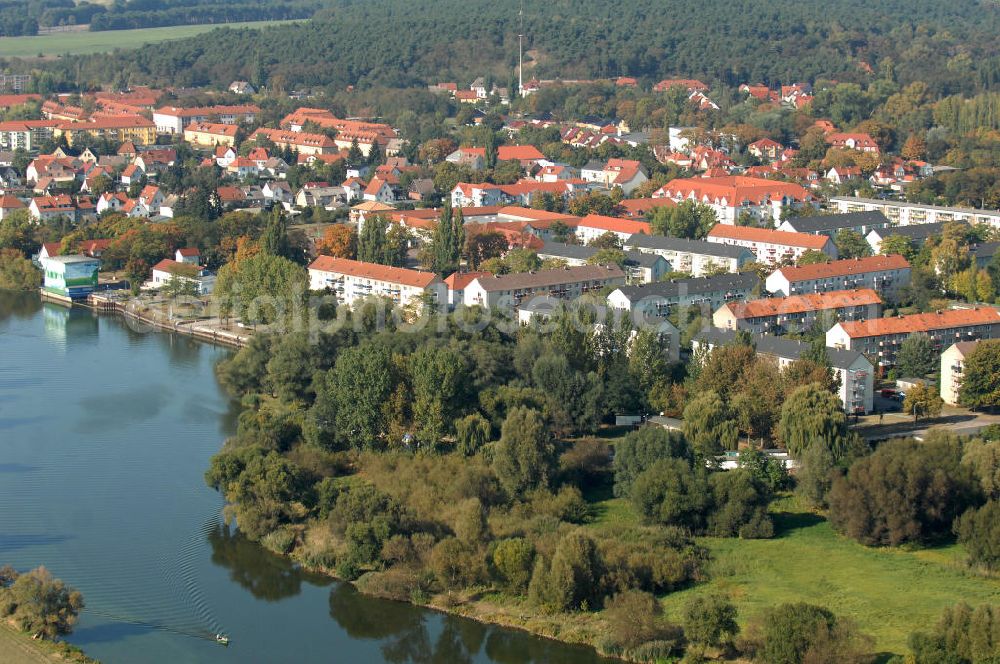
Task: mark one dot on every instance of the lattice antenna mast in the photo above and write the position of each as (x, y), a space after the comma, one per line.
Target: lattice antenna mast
(520, 51)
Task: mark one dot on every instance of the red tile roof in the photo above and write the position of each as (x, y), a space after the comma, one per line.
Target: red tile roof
(638, 207)
(207, 111)
(176, 267)
(8, 202)
(845, 267)
(518, 153)
(459, 280)
(734, 189)
(396, 275)
(921, 322)
(616, 224)
(783, 238)
(216, 128)
(795, 304)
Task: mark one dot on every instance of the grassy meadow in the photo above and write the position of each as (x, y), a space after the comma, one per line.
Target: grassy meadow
(888, 592)
(74, 43)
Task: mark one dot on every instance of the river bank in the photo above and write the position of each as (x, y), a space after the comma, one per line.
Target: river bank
(17, 647)
(68, 327)
(487, 608)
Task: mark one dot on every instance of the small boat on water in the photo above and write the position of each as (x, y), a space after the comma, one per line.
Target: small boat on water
(222, 639)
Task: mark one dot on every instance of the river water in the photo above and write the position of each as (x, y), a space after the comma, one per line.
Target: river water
(105, 433)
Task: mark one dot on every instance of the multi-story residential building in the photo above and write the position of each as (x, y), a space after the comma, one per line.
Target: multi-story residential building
(880, 338)
(174, 120)
(356, 280)
(15, 82)
(733, 196)
(883, 274)
(300, 141)
(778, 315)
(772, 247)
(953, 370)
(26, 134)
(43, 208)
(640, 268)
(364, 134)
(831, 224)
(514, 290)
(695, 257)
(917, 234)
(210, 134)
(901, 213)
(478, 195)
(594, 226)
(855, 372)
(705, 293)
(119, 128)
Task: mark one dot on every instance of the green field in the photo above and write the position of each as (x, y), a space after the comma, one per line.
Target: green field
(889, 593)
(73, 43)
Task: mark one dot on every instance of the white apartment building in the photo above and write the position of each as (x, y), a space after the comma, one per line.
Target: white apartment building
(772, 247)
(513, 290)
(883, 274)
(356, 280)
(695, 257)
(900, 213)
(881, 338)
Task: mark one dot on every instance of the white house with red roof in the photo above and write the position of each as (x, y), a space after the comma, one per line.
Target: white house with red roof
(189, 255)
(356, 280)
(466, 194)
(594, 226)
(10, 204)
(842, 174)
(168, 270)
(225, 155)
(849, 141)
(766, 148)
(772, 247)
(456, 284)
(733, 196)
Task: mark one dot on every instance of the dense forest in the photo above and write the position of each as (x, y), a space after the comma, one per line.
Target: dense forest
(394, 43)
(18, 17)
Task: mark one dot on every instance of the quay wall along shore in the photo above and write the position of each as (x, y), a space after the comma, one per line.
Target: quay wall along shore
(144, 318)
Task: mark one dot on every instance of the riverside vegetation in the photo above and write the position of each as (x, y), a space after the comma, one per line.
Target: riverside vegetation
(473, 472)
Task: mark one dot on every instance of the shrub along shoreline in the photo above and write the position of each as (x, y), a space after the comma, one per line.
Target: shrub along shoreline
(461, 472)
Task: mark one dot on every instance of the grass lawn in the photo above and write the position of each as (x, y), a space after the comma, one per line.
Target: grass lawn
(73, 43)
(890, 593)
(19, 648)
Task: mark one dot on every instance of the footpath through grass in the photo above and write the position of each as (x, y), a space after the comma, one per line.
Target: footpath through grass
(19, 648)
(889, 592)
(74, 43)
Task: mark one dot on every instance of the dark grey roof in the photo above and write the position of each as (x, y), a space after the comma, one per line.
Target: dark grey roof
(917, 232)
(985, 251)
(544, 278)
(594, 165)
(695, 286)
(665, 243)
(779, 346)
(563, 250)
(583, 252)
(832, 222)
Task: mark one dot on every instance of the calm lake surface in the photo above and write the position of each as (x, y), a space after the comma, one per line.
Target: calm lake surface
(104, 436)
